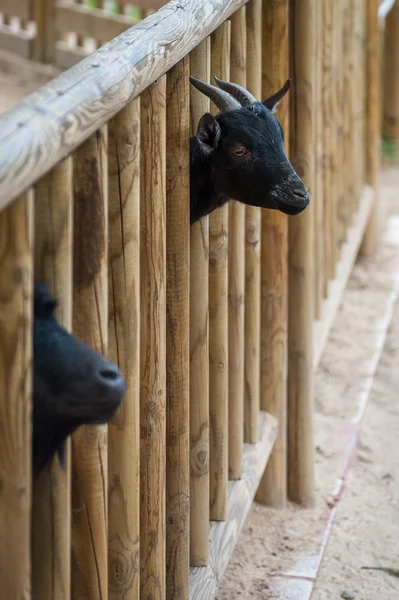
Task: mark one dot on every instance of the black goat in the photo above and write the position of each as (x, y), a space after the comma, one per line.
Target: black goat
(239, 154)
(72, 384)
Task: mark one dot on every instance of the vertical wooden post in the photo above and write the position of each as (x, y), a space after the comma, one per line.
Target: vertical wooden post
(90, 324)
(124, 349)
(337, 120)
(43, 46)
(274, 269)
(177, 332)
(218, 315)
(51, 513)
(391, 79)
(252, 246)
(359, 25)
(373, 129)
(153, 341)
(300, 332)
(236, 268)
(318, 197)
(350, 136)
(200, 59)
(16, 280)
(326, 103)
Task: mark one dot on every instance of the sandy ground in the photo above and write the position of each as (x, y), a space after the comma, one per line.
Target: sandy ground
(366, 527)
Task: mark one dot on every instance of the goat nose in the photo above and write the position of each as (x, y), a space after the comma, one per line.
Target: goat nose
(300, 192)
(110, 376)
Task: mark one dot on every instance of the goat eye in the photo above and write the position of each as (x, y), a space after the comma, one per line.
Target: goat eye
(240, 151)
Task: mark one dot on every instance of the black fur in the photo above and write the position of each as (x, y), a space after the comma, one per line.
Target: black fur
(264, 177)
(72, 384)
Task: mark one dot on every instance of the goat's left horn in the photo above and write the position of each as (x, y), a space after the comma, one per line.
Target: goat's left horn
(244, 97)
(223, 101)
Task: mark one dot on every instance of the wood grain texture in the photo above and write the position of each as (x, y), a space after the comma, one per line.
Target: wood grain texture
(223, 537)
(90, 324)
(236, 274)
(16, 303)
(327, 82)
(360, 106)
(51, 512)
(347, 173)
(124, 350)
(252, 246)
(300, 319)
(177, 331)
(153, 342)
(274, 268)
(350, 86)
(200, 65)
(373, 125)
(218, 316)
(318, 197)
(390, 124)
(57, 118)
(337, 120)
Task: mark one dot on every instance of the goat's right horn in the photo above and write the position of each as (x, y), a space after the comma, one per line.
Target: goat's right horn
(222, 99)
(240, 93)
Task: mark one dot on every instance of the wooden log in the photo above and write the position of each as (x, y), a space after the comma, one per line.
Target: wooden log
(390, 126)
(252, 246)
(152, 342)
(300, 338)
(177, 333)
(359, 10)
(51, 513)
(336, 117)
(223, 536)
(90, 324)
(236, 275)
(327, 83)
(344, 92)
(124, 349)
(318, 197)
(200, 65)
(218, 316)
(274, 269)
(33, 135)
(16, 282)
(342, 205)
(373, 127)
(350, 86)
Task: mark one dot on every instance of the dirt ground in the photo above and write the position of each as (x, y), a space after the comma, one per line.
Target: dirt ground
(366, 527)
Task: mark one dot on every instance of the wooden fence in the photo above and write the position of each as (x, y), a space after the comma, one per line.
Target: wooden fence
(217, 329)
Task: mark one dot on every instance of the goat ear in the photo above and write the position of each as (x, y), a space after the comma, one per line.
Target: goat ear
(208, 133)
(272, 102)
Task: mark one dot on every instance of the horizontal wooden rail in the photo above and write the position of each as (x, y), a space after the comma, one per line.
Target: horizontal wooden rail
(16, 8)
(91, 22)
(53, 121)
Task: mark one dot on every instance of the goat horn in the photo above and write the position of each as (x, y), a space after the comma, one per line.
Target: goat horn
(223, 101)
(240, 93)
